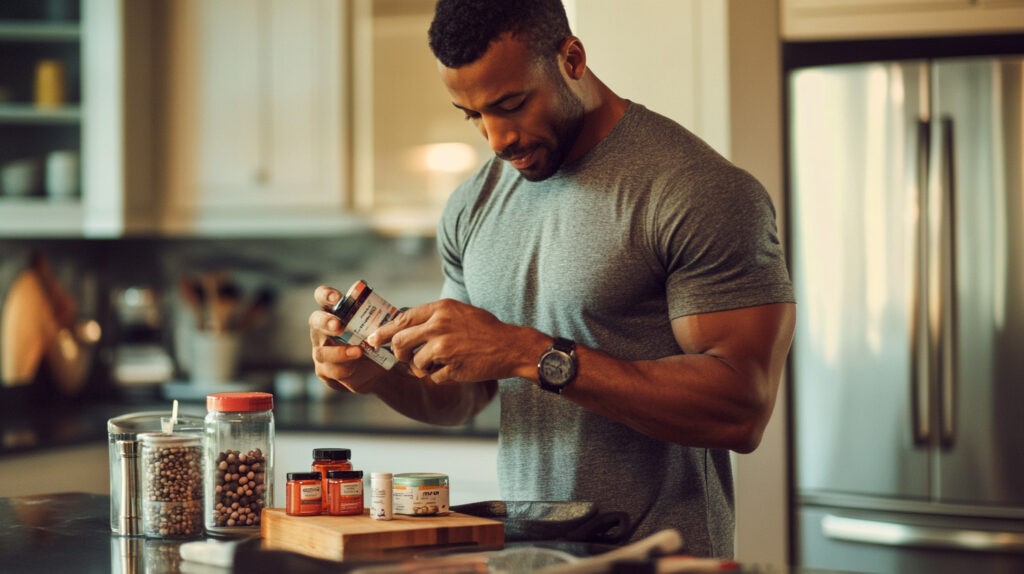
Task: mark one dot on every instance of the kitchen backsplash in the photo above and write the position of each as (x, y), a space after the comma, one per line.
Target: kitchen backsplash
(404, 270)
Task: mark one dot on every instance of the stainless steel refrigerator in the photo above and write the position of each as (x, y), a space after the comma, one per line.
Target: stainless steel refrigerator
(906, 231)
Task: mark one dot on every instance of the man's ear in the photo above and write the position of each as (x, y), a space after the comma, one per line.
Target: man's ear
(574, 57)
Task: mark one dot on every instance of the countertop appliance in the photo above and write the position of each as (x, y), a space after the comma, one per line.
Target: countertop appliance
(906, 223)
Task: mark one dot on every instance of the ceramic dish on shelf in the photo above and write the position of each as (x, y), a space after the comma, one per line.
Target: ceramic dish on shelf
(19, 178)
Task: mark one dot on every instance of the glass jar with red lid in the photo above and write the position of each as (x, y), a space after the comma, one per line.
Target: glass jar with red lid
(239, 455)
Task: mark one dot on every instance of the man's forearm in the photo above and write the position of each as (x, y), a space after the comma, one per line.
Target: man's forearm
(430, 402)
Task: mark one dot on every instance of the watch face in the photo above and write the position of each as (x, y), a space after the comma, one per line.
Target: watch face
(556, 368)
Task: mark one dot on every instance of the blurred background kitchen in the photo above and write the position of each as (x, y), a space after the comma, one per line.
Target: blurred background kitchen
(190, 170)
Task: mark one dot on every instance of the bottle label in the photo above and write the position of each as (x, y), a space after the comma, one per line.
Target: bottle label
(310, 494)
(421, 500)
(371, 311)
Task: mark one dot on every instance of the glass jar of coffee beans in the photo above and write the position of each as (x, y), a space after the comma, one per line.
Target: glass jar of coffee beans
(239, 461)
(172, 485)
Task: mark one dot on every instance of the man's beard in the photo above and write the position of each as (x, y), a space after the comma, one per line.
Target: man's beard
(570, 113)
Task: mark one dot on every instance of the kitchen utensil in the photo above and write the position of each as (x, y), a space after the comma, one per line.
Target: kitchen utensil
(346, 537)
(658, 544)
(576, 521)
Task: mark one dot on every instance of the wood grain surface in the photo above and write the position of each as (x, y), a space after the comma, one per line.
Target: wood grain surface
(345, 537)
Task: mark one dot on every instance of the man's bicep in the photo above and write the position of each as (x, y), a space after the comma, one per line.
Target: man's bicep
(760, 334)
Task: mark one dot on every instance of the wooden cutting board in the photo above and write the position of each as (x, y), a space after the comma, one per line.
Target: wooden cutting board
(347, 537)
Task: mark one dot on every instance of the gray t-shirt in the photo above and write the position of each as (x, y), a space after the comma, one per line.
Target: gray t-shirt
(650, 225)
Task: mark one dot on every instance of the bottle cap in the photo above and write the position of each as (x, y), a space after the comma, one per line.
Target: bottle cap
(304, 476)
(345, 474)
(332, 453)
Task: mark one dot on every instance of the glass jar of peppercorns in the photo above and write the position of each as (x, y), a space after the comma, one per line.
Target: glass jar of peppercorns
(172, 485)
(239, 461)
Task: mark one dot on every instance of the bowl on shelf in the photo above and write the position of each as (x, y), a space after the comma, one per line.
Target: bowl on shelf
(19, 178)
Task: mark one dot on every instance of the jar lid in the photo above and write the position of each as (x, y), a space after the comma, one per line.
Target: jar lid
(239, 402)
(421, 479)
(164, 439)
(304, 476)
(343, 474)
(127, 427)
(332, 453)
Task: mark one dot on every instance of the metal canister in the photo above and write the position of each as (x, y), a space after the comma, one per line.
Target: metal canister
(125, 468)
(420, 494)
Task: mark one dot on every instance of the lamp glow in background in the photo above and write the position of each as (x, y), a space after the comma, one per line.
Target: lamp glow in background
(446, 157)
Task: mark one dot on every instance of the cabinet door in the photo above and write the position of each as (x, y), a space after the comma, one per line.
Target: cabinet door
(412, 148)
(254, 112)
(855, 19)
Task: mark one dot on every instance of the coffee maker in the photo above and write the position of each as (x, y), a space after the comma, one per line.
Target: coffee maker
(140, 362)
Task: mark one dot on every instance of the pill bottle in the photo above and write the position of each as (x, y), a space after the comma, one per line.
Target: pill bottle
(361, 312)
(172, 485)
(304, 494)
(344, 492)
(239, 473)
(420, 494)
(380, 495)
(327, 459)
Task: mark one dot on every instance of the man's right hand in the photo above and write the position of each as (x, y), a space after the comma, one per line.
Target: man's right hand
(338, 365)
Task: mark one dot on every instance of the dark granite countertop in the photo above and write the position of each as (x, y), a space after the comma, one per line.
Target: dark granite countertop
(70, 532)
(31, 426)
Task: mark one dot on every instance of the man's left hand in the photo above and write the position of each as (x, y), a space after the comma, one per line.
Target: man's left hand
(450, 341)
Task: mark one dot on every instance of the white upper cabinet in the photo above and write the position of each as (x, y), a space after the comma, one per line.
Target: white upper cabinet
(254, 124)
(868, 19)
(411, 146)
(74, 118)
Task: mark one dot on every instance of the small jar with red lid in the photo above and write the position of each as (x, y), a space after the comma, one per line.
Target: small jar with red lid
(327, 459)
(239, 456)
(344, 492)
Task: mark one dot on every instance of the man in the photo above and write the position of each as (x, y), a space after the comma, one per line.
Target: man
(621, 280)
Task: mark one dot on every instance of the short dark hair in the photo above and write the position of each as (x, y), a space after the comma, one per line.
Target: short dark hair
(462, 30)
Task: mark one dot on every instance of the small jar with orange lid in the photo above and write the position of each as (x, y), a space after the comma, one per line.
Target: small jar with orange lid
(329, 459)
(239, 457)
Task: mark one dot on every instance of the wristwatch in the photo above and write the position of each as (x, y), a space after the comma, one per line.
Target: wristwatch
(557, 366)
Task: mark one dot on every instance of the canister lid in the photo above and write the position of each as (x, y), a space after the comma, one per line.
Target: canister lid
(127, 427)
(345, 474)
(304, 476)
(332, 453)
(239, 402)
(163, 439)
(421, 479)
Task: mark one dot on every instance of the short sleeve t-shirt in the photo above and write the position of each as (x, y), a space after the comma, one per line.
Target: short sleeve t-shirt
(652, 224)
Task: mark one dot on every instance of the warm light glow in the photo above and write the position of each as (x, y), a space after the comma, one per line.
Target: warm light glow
(449, 157)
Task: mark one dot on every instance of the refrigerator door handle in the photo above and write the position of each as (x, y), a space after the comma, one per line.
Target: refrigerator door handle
(920, 354)
(895, 534)
(947, 288)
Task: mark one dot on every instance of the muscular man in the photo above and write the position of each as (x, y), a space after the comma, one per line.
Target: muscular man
(619, 281)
